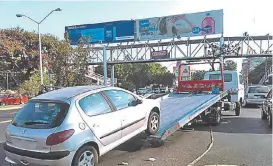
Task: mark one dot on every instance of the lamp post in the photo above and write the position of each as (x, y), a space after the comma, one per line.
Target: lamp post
(40, 43)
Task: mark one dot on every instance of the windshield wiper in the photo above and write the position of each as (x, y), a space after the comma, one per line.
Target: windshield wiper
(34, 122)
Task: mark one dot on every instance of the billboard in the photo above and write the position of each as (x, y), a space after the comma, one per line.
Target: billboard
(183, 25)
(109, 32)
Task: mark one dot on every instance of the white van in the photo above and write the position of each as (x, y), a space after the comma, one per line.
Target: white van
(233, 81)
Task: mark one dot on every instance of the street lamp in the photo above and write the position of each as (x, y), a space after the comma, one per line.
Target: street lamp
(40, 43)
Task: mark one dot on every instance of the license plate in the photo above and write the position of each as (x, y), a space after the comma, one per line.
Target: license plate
(24, 144)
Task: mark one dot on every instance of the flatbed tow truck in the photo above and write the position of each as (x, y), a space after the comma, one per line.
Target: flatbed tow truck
(193, 100)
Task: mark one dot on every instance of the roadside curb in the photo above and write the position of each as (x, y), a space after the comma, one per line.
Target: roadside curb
(6, 108)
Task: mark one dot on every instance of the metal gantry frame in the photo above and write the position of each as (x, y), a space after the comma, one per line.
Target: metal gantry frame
(189, 49)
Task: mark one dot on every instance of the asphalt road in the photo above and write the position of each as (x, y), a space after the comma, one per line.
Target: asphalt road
(245, 140)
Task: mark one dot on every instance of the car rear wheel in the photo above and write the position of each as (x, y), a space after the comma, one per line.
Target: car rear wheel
(87, 155)
(270, 120)
(153, 123)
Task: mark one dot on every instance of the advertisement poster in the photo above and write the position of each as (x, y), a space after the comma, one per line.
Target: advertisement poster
(183, 25)
(110, 32)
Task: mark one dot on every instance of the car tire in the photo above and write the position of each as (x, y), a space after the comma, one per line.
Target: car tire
(153, 123)
(2, 104)
(238, 109)
(263, 115)
(270, 120)
(244, 104)
(85, 155)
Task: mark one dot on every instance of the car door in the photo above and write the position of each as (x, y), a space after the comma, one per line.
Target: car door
(100, 117)
(132, 114)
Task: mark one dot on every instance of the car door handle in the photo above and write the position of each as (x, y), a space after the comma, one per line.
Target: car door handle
(95, 125)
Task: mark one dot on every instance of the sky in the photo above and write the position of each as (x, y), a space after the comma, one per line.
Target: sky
(239, 15)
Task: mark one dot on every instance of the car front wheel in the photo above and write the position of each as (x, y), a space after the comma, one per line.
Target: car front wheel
(153, 123)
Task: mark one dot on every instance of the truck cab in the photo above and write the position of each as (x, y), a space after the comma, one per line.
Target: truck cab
(233, 82)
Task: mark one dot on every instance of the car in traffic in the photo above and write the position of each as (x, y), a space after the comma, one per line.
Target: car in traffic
(266, 111)
(12, 99)
(255, 95)
(74, 126)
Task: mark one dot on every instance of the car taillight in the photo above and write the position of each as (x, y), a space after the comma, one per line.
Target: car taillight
(59, 137)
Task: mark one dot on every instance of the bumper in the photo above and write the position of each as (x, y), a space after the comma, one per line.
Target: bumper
(254, 101)
(15, 158)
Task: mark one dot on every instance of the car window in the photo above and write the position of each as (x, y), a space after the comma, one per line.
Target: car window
(258, 89)
(94, 104)
(227, 77)
(38, 115)
(119, 98)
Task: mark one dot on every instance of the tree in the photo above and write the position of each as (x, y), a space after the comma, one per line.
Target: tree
(32, 86)
(230, 65)
(215, 51)
(256, 75)
(19, 52)
(198, 75)
(139, 75)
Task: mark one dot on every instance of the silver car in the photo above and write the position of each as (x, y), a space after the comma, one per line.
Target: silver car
(255, 94)
(74, 126)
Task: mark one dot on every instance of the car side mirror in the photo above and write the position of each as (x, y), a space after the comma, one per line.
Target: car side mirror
(139, 101)
(133, 103)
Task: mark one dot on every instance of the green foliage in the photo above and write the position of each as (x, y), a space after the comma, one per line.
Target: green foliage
(131, 76)
(32, 86)
(19, 52)
(256, 75)
(230, 65)
(198, 75)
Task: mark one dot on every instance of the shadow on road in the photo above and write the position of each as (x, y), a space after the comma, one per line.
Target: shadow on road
(135, 144)
(245, 125)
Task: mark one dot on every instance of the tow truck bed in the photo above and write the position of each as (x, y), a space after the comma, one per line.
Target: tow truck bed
(179, 109)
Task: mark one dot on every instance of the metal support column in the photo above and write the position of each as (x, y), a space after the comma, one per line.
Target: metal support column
(222, 60)
(104, 66)
(112, 70)
(113, 75)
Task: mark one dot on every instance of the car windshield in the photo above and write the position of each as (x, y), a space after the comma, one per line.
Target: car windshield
(258, 89)
(37, 114)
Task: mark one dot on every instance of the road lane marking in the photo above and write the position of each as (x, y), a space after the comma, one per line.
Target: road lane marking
(208, 149)
(6, 121)
(221, 165)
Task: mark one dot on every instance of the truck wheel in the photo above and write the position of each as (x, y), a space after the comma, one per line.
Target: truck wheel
(217, 116)
(238, 109)
(153, 123)
(87, 155)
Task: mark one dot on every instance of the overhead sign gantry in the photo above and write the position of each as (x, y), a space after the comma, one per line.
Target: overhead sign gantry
(161, 39)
